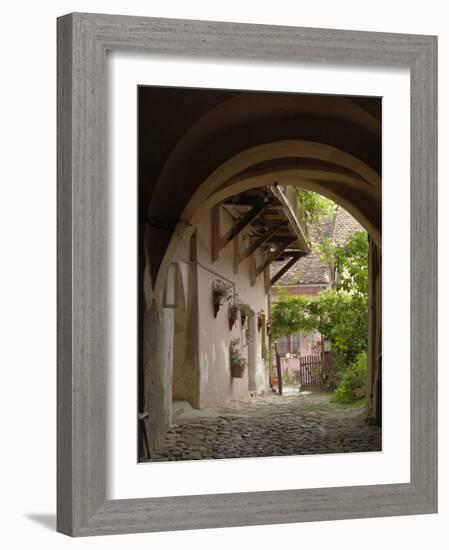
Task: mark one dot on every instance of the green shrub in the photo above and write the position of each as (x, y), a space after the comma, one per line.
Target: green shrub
(353, 382)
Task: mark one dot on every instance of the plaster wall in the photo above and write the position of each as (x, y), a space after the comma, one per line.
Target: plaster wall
(170, 345)
(157, 363)
(185, 381)
(216, 384)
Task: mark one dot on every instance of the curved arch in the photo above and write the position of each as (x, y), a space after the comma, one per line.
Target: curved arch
(274, 150)
(249, 108)
(224, 181)
(292, 177)
(271, 151)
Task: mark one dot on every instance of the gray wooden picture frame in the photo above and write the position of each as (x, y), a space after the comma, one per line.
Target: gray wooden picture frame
(83, 40)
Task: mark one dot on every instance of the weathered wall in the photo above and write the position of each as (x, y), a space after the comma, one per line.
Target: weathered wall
(157, 357)
(187, 349)
(185, 343)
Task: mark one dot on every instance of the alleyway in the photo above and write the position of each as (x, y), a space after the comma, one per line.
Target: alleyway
(270, 426)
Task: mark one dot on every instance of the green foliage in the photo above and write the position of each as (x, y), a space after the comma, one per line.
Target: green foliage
(290, 315)
(314, 206)
(316, 210)
(340, 313)
(353, 383)
(351, 262)
(336, 314)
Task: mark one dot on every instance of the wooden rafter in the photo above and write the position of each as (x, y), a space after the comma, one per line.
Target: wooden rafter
(218, 241)
(258, 242)
(295, 256)
(253, 201)
(278, 239)
(240, 225)
(274, 254)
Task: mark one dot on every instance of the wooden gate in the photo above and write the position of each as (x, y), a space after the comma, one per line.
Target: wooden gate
(311, 373)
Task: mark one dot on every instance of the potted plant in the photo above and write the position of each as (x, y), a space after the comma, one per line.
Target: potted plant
(221, 292)
(238, 362)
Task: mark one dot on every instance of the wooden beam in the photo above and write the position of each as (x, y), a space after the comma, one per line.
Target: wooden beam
(284, 194)
(269, 224)
(283, 239)
(258, 242)
(253, 201)
(274, 254)
(240, 225)
(295, 256)
(217, 241)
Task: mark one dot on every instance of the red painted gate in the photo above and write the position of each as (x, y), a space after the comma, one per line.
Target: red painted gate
(311, 373)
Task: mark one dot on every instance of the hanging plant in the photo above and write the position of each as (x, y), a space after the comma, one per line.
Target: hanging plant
(221, 292)
(237, 361)
(233, 314)
(245, 312)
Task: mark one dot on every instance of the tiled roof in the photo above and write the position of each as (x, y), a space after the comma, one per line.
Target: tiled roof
(312, 270)
(344, 225)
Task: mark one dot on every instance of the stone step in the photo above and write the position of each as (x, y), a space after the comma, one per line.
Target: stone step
(179, 408)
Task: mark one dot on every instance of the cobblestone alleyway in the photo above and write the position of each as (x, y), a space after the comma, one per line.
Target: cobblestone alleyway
(270, 426)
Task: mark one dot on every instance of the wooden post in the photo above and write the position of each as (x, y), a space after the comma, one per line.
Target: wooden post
(278, 368)
(373, 393)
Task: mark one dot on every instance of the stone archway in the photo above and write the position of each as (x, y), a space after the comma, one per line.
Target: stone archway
(243, 143)
(337, 176)
(185, 230)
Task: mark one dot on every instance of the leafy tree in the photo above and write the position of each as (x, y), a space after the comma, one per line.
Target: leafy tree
(351, 263)
(340, 313)
(353, 382)
(336, 314)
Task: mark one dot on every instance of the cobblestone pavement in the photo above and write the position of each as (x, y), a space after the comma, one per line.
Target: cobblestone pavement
(271, 426)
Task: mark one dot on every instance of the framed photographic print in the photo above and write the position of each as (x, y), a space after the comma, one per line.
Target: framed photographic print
(247, 284)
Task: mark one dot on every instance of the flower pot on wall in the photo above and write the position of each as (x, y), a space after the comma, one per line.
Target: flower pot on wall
(245, 311)
(233, 315)
(218, 302)
(221, 292)
(237, 371)
(237, 361)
